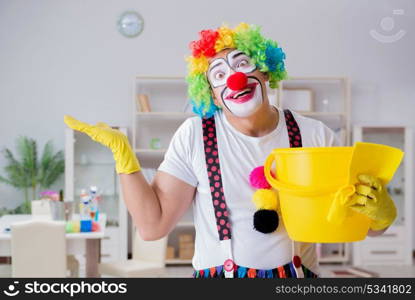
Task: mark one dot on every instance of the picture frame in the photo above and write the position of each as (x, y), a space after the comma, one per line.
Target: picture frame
(298, 99)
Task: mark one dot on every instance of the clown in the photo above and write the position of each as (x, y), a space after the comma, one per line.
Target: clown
(230, 61)
(214, 163)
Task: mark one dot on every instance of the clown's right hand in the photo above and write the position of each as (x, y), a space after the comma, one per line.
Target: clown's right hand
(126, 161)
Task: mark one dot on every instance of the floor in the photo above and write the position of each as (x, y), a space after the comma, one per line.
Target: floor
(326, 271)
(382, 271)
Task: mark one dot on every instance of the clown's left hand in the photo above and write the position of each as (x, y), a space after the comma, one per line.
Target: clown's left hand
(372, 199)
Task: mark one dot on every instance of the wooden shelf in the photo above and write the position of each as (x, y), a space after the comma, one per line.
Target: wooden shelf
(165, 113)
(387, 130)
(394, 247)
(333, 258)
(150, 155)
(92, 164)
(167, 95)
(321, 113)
(310, 78)
(150, 151)
(185, 224)
(97, 169)
(334, 89)
(178, 261)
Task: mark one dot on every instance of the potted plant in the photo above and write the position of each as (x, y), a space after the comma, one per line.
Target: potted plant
(25, 171)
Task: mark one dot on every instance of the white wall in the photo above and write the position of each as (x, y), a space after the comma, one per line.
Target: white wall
(65, 57)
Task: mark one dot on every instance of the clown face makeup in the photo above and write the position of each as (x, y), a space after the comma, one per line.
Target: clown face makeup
(220, 69)
(241, 94)
(244, 39)
(244, 102)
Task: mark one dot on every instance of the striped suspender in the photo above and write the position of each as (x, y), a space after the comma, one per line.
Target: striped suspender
(294, 134)
(215, 179)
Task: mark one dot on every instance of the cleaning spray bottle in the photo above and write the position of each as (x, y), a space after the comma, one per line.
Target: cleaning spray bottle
(94, 196)
(85, 212)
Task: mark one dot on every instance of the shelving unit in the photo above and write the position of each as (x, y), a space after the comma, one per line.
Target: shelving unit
(334, 91)
(395, 245)
(178, 261)
(150, 154)
(165, 114)
(88, 163)
(168, 105)
(334, 253)
(169, 110)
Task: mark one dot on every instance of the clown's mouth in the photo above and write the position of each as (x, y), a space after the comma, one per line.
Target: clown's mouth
(244, 95)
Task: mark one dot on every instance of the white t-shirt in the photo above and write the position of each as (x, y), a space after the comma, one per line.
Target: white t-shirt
(239, 154)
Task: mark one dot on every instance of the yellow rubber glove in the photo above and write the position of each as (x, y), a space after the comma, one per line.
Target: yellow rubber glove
(126, 161)
(372, 199)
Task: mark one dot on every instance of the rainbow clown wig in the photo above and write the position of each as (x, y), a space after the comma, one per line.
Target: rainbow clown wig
(264, 53)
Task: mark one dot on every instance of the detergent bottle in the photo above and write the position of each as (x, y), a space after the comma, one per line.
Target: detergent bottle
(94, 198)
(84, 206)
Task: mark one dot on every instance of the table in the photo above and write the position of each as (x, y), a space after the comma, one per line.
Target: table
(87, 243)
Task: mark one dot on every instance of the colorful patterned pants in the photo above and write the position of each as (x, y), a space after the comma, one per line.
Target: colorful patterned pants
(285, 271)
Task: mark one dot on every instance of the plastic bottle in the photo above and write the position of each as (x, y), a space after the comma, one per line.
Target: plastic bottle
(84, 206)
(93, 192)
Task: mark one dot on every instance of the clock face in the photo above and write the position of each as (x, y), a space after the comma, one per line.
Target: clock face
(130, 24)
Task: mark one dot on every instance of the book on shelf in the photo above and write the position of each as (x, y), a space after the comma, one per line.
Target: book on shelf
(170, 253)
(143, 103)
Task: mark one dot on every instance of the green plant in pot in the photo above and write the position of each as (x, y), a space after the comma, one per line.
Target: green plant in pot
(28, 172)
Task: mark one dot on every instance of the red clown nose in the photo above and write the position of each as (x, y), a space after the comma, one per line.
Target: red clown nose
(237, 81)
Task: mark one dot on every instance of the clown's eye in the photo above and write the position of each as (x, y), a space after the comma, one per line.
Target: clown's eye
(219, 71)
(243, 63)
(219, 75)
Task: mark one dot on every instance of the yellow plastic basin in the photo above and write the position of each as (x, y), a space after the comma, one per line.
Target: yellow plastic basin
(307, 180)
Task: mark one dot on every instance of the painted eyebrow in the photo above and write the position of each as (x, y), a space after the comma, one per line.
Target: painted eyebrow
(237, 54)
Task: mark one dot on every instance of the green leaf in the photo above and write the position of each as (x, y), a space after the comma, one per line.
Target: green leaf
(16, 174)
(27, 170)
(51, 167)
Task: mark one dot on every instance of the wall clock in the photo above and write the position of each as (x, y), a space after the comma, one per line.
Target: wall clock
(130, 24)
